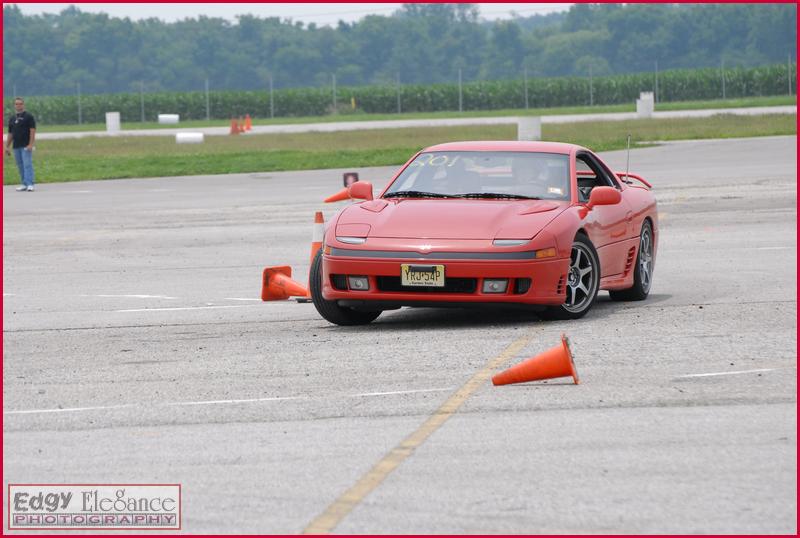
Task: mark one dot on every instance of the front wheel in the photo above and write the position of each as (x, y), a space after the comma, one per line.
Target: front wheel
(643, 272)
(583, 281)
(330, 310)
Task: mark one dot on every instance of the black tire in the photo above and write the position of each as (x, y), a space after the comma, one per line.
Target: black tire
(329, 309)
(583, 281)
(643, 270)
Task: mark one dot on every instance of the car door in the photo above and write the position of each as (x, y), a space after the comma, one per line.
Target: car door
(608, 226)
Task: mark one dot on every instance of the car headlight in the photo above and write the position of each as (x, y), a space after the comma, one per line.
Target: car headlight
(352, 240)
(510, 242)
(540, 253)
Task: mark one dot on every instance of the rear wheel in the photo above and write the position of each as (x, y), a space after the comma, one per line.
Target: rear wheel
(643, 272)
(583, 280)
(329, 310)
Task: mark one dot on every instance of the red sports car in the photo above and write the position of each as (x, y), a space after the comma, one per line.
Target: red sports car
(534, 223)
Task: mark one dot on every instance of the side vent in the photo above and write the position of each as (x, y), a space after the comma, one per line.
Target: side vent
(630, 260)
(560, 286)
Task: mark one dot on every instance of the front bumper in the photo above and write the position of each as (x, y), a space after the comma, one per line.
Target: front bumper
(547, 280)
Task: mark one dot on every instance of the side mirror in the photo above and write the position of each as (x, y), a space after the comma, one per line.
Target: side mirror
(604, 196)
(360, 190)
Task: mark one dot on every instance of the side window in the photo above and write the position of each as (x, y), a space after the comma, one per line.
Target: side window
(591, 174)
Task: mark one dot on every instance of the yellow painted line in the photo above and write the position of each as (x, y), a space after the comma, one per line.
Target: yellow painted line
(341, 507)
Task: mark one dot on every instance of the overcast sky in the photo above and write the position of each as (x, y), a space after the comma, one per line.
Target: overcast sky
(320, 14)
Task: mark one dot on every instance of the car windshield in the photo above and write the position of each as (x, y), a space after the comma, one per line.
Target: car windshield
(484, 174)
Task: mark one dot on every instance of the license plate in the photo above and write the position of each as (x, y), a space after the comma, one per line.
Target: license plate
(422, 275)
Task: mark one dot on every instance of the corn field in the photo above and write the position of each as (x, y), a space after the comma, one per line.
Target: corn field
(673, 85)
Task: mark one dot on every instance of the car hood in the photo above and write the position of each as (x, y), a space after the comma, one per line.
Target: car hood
(448, 219)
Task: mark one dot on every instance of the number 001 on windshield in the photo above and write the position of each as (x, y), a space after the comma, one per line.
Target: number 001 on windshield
(422, 275)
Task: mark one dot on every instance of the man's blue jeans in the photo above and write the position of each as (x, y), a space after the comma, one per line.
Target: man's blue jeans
(24, 160)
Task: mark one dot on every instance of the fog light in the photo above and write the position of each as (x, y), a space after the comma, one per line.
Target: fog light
(358, 283)
(497, 285)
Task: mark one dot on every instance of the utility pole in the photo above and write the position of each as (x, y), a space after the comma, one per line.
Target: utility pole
(655, 93)
(525, 72)
(399, 105)
(208, 104)
(271, 101)
(460, 95)
(334, 93)
(723, 79)
(80, 112)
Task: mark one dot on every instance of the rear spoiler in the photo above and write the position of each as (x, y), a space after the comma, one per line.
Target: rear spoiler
(637, 177)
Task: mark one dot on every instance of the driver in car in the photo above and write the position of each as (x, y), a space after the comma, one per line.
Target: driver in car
(538, 179)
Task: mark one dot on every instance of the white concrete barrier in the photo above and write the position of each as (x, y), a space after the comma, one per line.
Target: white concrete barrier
(169, 118)
(529, 128)
(112, 122)
(189, 138)
(645, 105)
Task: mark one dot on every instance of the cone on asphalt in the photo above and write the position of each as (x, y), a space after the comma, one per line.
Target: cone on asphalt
(248, 122)
(241, 125)
(317, 235)
(553, 363)
(343, 194)
(277, 284)
(234, 127)
(360, 190)
(316, 243)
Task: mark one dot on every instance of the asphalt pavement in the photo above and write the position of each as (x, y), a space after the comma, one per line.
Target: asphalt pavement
(136, 350)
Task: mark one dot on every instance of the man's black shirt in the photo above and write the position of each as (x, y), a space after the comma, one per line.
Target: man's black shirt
(19, 126)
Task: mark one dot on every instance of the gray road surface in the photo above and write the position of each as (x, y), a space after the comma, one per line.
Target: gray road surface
(135, 350)
(448, 122)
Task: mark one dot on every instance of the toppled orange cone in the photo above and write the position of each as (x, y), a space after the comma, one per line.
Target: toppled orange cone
(555, 362)
(343, 194)
(277, 284)
(360, 190)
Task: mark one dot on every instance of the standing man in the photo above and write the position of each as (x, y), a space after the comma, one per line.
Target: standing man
(21, 134)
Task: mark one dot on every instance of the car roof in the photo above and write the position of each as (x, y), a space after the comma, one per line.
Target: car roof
(506, 145)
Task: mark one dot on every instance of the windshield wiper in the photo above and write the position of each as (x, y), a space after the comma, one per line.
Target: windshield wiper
(416, 194)
(497, 195)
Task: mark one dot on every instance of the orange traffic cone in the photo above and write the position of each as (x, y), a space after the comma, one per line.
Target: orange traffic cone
(277, 285)
(555, 362)
(343, 194)
(316, 243)
(241, 125)
(248, 123)
(317, 235)
(360, 190)
(234, 127)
